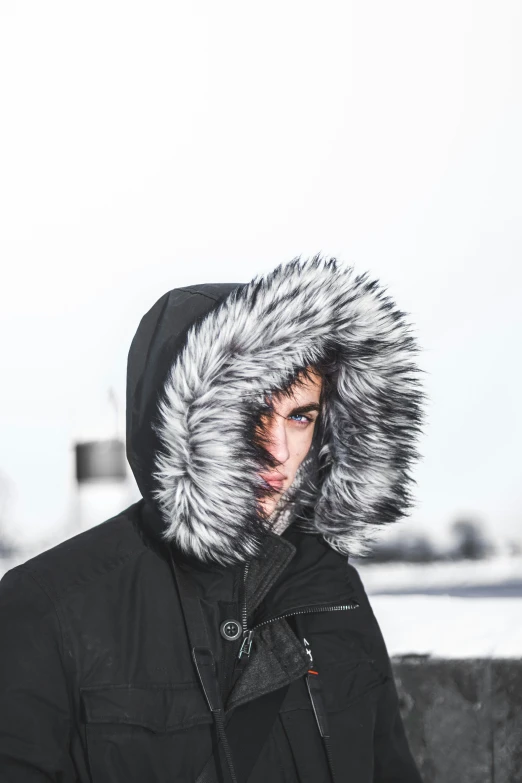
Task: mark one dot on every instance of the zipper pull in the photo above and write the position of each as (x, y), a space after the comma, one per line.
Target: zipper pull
(247, 643)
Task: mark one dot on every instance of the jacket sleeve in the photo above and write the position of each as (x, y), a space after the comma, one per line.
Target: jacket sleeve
(393, 760)
(34, 704)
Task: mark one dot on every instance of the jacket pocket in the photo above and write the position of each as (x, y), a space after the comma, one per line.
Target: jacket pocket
(154, 732)
(345, 682)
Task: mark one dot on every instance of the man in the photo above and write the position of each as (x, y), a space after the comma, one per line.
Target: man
(215, 631)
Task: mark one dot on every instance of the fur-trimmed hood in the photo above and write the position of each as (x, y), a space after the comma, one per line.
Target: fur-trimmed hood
(200, 366)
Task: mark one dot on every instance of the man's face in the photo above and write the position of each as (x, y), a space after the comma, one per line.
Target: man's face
(288, 430)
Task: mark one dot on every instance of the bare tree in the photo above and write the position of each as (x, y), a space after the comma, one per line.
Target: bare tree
(418, 549)
(409, 548)
(470, 540)
(514, 548)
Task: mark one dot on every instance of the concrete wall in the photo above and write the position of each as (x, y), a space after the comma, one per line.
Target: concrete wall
(463, 717)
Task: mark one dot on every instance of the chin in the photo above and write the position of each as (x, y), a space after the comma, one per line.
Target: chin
(268, 508)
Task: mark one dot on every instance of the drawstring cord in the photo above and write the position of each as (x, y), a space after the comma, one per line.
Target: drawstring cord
(316, 697)
(202, 656)
(206, 669)
(315, 692)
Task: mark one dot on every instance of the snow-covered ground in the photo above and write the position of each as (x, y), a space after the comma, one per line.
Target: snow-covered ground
(446, 625)
(387, 577)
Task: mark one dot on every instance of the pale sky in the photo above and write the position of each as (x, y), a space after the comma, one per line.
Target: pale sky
(148, 146)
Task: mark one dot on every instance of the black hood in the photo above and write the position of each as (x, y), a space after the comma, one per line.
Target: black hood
(200, 366)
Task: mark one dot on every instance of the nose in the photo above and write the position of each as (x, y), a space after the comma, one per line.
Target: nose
(278, 444)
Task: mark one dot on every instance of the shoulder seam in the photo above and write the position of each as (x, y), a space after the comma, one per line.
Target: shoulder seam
(200, 293)
(62, 643)
(39, 583)
(107, 566)
(42, 587)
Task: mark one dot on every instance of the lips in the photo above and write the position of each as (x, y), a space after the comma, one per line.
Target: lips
(276, 482)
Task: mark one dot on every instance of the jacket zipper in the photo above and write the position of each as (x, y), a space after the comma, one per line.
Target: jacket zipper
(244, 608)
(248, 633)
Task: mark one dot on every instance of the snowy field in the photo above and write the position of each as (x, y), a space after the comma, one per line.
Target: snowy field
(450, 627)
(494, 573)
(448, 610)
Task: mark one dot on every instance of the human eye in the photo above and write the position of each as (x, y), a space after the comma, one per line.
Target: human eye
(301, 418)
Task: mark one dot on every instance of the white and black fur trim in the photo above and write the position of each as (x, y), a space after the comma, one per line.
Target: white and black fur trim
(256, 341)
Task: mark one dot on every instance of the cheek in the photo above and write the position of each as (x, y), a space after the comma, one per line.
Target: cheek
(301, 442)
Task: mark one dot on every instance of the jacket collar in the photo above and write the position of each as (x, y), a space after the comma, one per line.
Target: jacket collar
(315, 576)
(293, 570)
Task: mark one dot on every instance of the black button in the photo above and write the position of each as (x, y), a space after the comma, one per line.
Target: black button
(230, 630)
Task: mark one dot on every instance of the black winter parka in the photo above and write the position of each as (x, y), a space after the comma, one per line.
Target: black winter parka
(100, 679)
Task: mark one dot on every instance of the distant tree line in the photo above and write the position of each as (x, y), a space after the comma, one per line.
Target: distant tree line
(469, 542)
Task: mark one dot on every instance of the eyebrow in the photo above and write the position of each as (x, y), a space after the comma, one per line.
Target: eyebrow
(314, 406)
